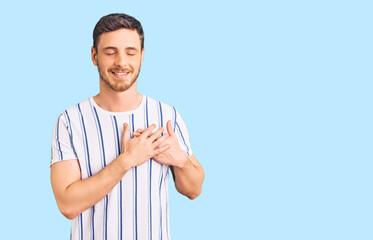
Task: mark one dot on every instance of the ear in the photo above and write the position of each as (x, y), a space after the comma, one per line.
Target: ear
(94, 56)
(142, 56)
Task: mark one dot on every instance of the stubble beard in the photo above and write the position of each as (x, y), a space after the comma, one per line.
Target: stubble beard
(117, 85)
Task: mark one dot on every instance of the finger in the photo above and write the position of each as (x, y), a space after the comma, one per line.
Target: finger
(155, 135)
(136, 134)
(161, 150)
(126, 132)
(169, 128)
(164, 143)
(160, 140)
(148, 131)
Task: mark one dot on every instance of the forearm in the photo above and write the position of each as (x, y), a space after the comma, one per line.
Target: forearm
(189, 178)
(83, 194)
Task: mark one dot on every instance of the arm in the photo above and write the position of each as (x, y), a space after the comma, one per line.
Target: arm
(74, 195)
(188, 177)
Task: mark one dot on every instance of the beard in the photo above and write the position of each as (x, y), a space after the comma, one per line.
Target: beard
(118, 85)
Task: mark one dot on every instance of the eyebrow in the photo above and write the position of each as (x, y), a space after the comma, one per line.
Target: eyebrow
(131, 48)
(110, 48)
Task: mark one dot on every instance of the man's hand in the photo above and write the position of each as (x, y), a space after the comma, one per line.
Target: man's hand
(139, 149)
(174, 155)
(186, 171)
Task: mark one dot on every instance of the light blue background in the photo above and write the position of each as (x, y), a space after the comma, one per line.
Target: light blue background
(276, 95)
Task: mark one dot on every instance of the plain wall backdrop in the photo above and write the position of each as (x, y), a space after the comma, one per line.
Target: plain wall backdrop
(276, 95)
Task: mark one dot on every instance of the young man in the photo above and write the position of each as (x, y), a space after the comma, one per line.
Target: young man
(111, 153)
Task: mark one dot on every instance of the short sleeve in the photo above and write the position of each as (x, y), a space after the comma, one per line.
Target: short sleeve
(182, 134)
(62, 144)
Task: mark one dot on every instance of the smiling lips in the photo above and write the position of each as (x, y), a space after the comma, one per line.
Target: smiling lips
(120, 74)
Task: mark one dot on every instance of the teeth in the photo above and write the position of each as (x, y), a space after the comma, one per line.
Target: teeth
(121, 74)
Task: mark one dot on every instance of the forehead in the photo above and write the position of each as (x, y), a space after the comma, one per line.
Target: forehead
(121, 38)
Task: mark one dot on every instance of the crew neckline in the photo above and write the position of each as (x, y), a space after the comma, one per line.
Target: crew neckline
(92, 101)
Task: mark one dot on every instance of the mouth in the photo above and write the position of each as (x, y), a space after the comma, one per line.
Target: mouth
(120, 74)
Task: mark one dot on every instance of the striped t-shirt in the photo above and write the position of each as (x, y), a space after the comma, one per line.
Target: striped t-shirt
(137, 207)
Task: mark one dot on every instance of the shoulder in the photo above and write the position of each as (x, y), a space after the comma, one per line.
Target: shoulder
(159, 104)
(74, 110)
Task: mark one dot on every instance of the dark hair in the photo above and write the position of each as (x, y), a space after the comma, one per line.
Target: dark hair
(114, 22)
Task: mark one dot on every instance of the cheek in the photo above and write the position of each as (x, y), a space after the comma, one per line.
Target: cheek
(138, 63)
(104, 62)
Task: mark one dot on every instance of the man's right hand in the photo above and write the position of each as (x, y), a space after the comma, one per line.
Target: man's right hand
(138, 150)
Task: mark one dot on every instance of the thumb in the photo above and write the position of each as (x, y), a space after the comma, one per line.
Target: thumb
(169, 129)
(126, 132)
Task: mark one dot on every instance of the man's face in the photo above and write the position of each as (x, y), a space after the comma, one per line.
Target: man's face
(118, 58)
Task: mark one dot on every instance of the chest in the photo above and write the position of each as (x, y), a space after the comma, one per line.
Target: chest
(97, 139)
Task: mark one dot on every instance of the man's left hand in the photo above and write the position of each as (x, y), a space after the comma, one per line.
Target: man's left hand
(174, 156)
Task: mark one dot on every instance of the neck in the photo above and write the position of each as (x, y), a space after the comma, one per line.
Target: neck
(113, 101)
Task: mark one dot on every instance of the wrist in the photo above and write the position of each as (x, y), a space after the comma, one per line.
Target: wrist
(125, 162)
(184, 162)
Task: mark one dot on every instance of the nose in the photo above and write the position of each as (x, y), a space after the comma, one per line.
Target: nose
(121, 60)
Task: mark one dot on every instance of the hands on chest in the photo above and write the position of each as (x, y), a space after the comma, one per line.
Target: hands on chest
(163, 148)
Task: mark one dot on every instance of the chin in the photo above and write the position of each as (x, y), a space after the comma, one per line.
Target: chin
(121, 87)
